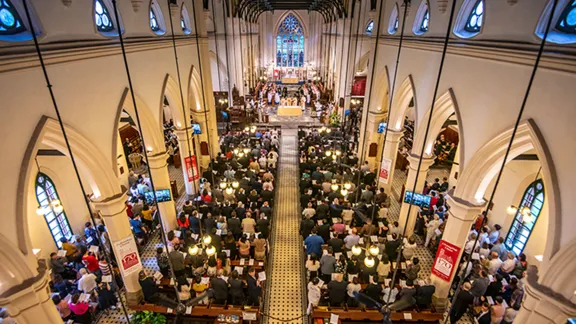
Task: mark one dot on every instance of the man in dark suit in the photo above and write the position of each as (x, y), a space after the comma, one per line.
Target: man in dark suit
(424, 294)
(220, 289)
(392, 247)
(484, 316)
(324, 231)
(227, 210)
(337, 291)
(322, 210)
(235, 226)
(306, 226)
(463, 300)
(263, 226)
(254, 288)
(336, 243)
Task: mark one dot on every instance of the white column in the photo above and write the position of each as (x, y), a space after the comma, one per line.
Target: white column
(159, 172)
(185, 139)
(391, 152)
(30, 302)
(462, 216)
(412, 171)
(113, 212)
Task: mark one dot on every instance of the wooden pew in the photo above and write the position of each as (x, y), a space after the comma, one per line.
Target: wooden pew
(351, 314)
(202, 311)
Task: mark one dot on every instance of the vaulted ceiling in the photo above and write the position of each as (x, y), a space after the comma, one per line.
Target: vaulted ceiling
(253, 8)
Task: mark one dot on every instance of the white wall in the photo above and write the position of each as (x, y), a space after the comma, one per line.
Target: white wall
(516, 178)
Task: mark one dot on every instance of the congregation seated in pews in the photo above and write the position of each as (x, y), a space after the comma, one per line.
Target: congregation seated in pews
(351, 245)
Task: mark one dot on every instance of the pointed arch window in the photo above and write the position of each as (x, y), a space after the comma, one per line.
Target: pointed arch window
(54, 213)
(154, 21)
(567, 21)
(475, 18)
(523, 224)
(102, 17)
(157, 24)
(370, 27)
(290, 43)
(185, 20)
(422, 20)
(393, 23)
(10, 21)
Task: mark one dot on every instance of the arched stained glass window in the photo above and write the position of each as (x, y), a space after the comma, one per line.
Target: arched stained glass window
(425, 22)
(185, 20)
(55, 217)
(154, 21)
(10, 21)
(102, 17)
(370, 27)
(522, 226)
(393, 23)
(475, 18)
(567, 21)
(290, 43)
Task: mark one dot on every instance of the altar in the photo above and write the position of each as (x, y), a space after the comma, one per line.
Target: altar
(290, 80)
(290, 111)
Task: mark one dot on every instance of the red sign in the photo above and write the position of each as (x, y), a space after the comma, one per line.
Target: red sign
(446, 260)
(192, 168)
(130, 260)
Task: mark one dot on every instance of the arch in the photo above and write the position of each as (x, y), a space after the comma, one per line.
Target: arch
(485, 163)
(171, 90)
(106, 10)
(194, 90)
(157, 22)
(422, 19)
(444, 107)
(185, 20)
(18, 29)
(221, 69)
(393, 22)
(555, 35)
(361, 67)
(290, 42)
(15, 268)
(400, 104)
(369, 27)
(298, 16)
(152, 129)
(91, 162)
(380, 102)
(461, 27)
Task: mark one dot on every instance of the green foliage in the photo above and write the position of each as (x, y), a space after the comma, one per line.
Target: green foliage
(335, 119)
(147, 317)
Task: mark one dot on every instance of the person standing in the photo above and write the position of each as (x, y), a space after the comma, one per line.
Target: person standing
(463, 300)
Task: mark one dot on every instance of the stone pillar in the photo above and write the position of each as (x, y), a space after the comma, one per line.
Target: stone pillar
(412, 171)
(159, 172)
(30, 302)
(113, 212)
(462, 216)
(185, 139)
(391, 152)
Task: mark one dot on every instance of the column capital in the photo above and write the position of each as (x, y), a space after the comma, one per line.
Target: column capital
(113, 205)
(463, 209)
(157, 161)
(413, 160)
(393, 136)
(181, 133)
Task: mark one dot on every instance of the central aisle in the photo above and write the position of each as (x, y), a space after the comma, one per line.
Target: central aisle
(284, 298)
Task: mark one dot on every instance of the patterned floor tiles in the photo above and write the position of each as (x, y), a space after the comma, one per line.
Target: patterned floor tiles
(284, 298)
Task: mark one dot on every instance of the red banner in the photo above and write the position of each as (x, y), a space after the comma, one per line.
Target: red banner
(446, 260)
(192, 168)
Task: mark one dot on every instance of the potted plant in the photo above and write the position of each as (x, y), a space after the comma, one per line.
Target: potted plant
(147, 317)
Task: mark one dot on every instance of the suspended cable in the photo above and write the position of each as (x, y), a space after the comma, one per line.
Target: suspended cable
(69, 148)
(510, 143)
(216, 43)
(225, 17)
(186, 120)
(203, 96)
(391, 93)
(144, 150)
(242, 71)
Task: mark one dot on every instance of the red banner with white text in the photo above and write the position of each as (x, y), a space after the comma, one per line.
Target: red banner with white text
(446, 260)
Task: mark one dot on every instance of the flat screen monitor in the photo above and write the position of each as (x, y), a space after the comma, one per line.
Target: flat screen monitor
(196, 129)
(381, 127)
(419, 199)
(162, 195)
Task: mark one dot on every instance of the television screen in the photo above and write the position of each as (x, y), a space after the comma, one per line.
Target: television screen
(419, 199)
(162, 195)
(381, 127)
(196, 128)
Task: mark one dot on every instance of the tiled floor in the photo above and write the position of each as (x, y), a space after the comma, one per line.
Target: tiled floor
(285, 295)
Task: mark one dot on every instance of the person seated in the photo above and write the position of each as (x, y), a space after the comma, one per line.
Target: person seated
(62, 307)
(151, 294)
(81, 310)
(59, 266)
(63, 287)
(406, 295)
(424, 292)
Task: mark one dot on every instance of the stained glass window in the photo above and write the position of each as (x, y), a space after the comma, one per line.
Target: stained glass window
(523, 225)
(10, 21)
(567, 21)
(370, 27)
(393, 24)
(290, 43)
(425, 22)
(102, 17)
(474, 22)
(55, 217)
(154, 21)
